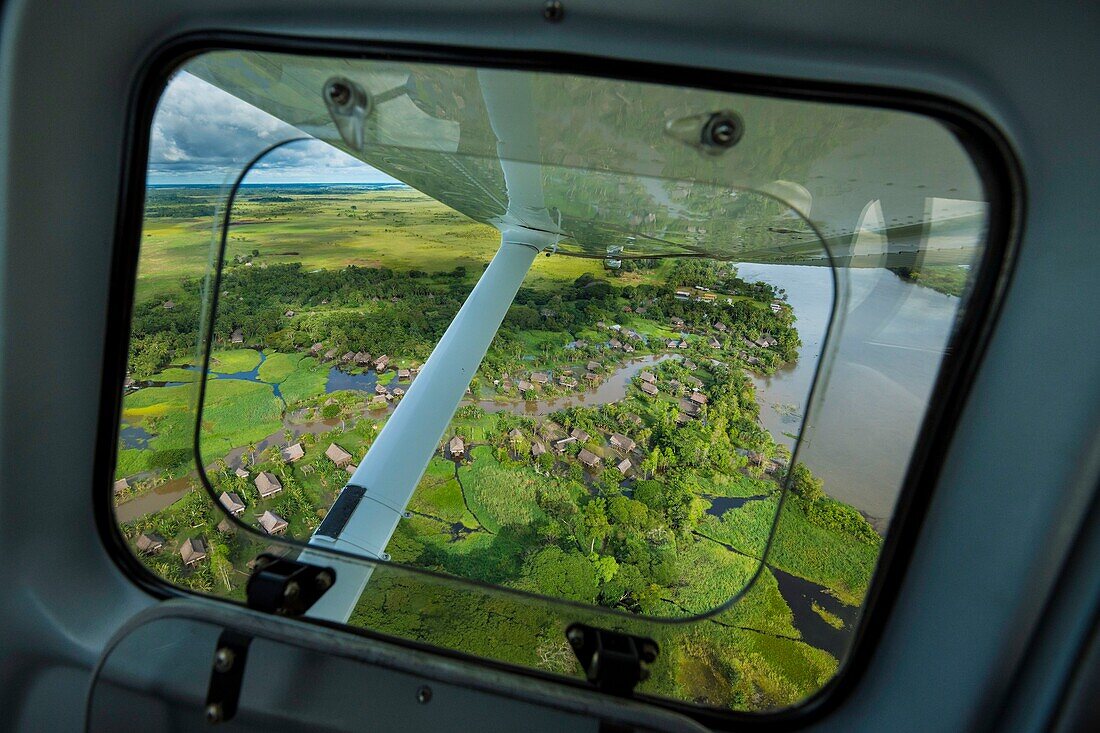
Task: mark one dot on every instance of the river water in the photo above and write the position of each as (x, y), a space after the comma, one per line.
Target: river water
(890, 347)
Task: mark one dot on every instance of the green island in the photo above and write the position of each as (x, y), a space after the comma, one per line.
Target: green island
(609, 452)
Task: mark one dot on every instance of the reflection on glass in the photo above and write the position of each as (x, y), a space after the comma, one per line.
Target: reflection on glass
(625, 442)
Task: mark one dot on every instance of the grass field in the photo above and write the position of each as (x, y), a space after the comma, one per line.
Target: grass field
(400, 229)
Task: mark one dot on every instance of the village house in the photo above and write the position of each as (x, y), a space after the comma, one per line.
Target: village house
(316, 349)
(689, 408)
(192, 551)
(622, 442)
(381, 363)
(634, 419)
(237, 337)
(403, 374)
(149, 543)
(721, 327)
(380, 389)
(628, 348)
(330, 354)
(347, 357)
(289, 314)
(168, 305)
(398, 392)
(267, 484)
(588, 458)
(525, 386)
(689, 364)
(540, 377)
(601, 324)
(640, 309)
(350, 468)
(682, 294)
(695, 382)
(714, 344)
(537, 448)
(377, 402)
(615, 343)
(682, 419)
(624, 465)
(338, 455)
(293, 453)
(515, 434)
(551, 430)
(579, 435)
(698, 398)
(627, 309)
(776, 306)
(559, 445)
(240, 472)
(616, 327)
(456, 447)
(649, 389)
(232, 503)
(121, 485)
(362, 358)
(677, 322)
(567, 381)
(672, 344)
(592, 376)
(648, 377)
(682, 345)
(593, 366)
(272, 523)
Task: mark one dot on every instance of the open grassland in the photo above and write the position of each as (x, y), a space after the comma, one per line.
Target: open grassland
(401, 229)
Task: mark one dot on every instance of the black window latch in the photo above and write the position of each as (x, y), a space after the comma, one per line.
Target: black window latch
(613, 662)
(286, 587)
(278, 586)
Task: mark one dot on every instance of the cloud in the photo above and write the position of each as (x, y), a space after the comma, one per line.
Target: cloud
(202, 134)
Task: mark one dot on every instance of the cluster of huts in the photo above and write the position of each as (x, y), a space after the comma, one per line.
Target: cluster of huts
(193, 549)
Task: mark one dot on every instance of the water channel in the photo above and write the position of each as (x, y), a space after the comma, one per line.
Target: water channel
(892, 341)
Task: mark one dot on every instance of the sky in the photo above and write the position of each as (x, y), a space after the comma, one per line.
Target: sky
(204, 135)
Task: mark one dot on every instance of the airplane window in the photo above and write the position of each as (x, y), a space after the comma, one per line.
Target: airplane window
(533, 348)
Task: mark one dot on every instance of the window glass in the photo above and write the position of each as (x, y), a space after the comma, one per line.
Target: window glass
(692, 424)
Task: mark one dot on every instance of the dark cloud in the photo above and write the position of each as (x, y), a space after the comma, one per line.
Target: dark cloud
(202, 134)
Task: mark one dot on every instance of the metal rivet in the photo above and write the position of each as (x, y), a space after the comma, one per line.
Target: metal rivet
(338, 93)
(213, 713)
(722, 130)
(424, 695)
(553, 11)
(292, 590)
(575, 637)
(324, 580)
(223, 659)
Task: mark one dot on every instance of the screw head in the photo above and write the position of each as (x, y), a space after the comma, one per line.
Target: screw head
(722, 130)
(424, 694)
(292, 590)
(575, 638)
(553, 11)
(324, 580)
(213, 713)
(338, 93)
(223, 659)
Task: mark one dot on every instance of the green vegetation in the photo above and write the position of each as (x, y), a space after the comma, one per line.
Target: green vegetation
(830, 618)
(947, 279)
(379, 272)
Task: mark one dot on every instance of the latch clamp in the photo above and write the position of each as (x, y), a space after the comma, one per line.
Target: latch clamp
(286, 587)
(613, 661)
